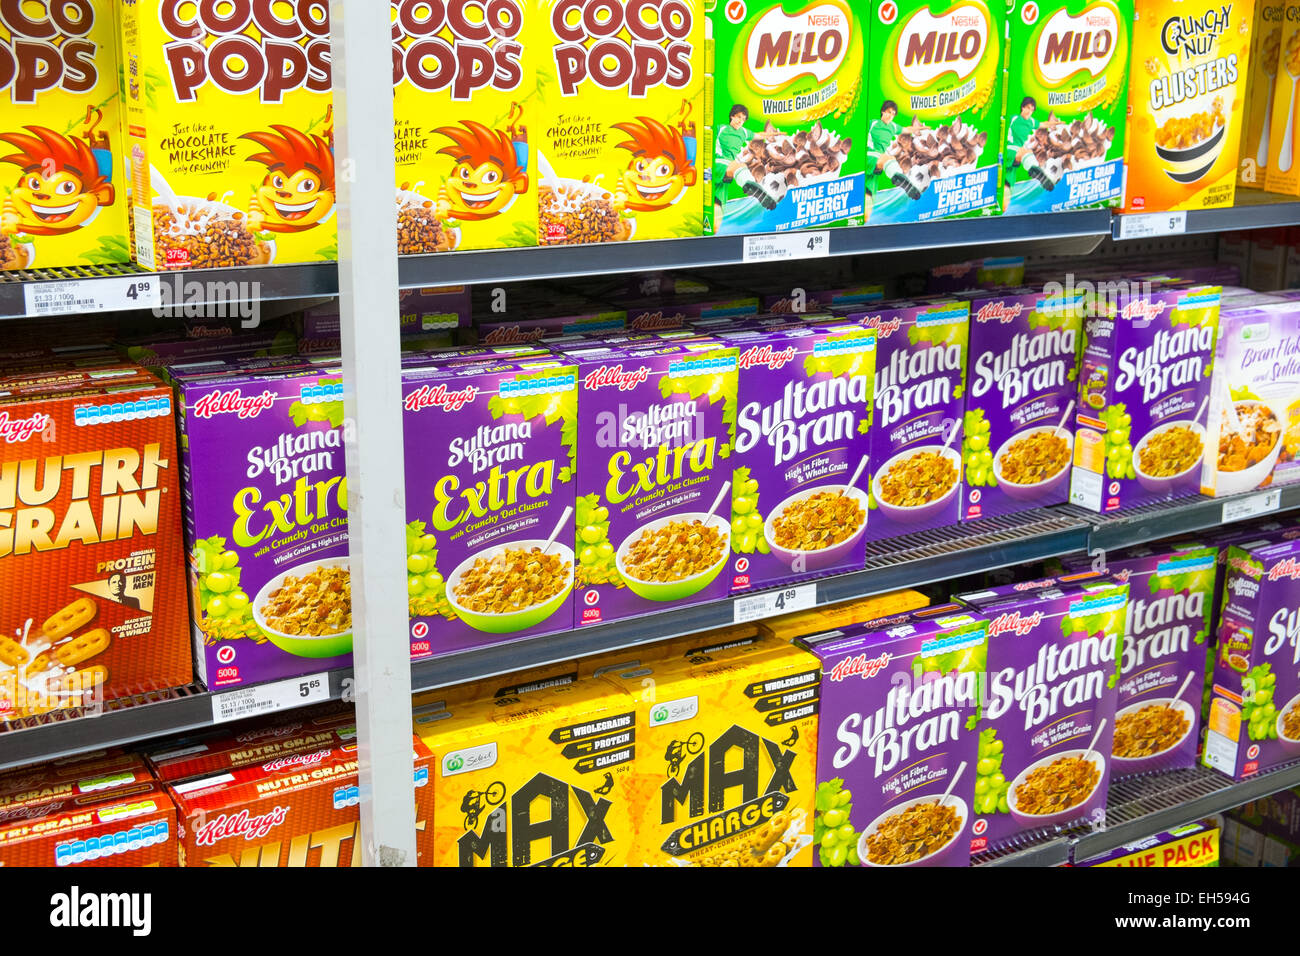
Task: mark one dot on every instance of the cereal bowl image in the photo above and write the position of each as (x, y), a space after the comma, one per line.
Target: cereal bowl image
(917, 484)
(917, 832)
(1034, 463)
(1246, 458)
(1057, 789)
(190, 232)
(1169, 456)
(1188, 163)
(816, 528)
(1148, 732)
(511, 587)
(16, 254)
(1288, 726)
(573, 212)
(418, 228)
(307, 610)
(674, 557)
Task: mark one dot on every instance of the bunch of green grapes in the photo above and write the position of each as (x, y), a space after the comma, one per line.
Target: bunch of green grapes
(426, 591)
(595, 553)
(746, 521)
(833, 833)
(976, 455)
(1258, 712)
(227, 612)
(991, 785)
(1119, 452)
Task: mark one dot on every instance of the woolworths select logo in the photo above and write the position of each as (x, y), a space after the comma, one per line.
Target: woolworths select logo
(954, 42)
(672, 711)
(471, 758)
(782, 48)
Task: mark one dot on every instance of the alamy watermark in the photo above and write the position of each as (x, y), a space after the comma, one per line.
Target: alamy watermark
(181, 296)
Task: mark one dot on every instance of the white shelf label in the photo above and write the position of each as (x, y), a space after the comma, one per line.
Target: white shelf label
(755, 607)
(787, 245)
(1260, 504)
(1147, 225)
(265, 698)
(109, 294)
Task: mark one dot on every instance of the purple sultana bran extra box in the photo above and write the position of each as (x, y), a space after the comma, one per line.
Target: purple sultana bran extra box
(490, 462)
(653, 510)
(266, 523)
(899, 698)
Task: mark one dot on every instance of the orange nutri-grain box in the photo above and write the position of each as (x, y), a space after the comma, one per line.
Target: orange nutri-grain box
(229, 124)
(92, 584)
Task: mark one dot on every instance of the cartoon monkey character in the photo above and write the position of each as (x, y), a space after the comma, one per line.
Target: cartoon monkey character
(660, 170)
(297, 192)
(487, 177)
(61, 187)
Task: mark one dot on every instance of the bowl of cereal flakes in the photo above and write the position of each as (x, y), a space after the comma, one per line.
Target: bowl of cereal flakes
(1034, 463)
(512, 586)
(1248, 455)
(1149, 732)
(1060, 787)
(1288, 726)
(917, 484)
(1169, 456)
(918, 832)
(816, 528)
(307, 610)
(674, 557)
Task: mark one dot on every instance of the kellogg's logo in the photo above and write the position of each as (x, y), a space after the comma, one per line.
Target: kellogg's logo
(1245, 566)
(636, 44)
(283, 731)
(613, 376)
(766, 355)
(1069, 44)
(240, 824)
(655, 320)
(511, 335)
(295, 760)
(49, 50)
(1014, 622)
(929, 47)
(440, 396)
(1286, 568)
(233, 402)
(885, 327)
(1143, 309)
(860, 666)
(14, 430)
(782, 48)
(999, 312)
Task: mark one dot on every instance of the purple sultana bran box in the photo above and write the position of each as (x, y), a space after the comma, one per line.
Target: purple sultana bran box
(1254, 722)
(266, 523)
(899, 697)
(654, 502)
(490, 461)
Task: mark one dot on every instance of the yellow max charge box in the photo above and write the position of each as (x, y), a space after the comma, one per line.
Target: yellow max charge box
(1282, 174)
(1265, 41)
(726, 756)
(64, 202)
(230, 132)
(1186, 100)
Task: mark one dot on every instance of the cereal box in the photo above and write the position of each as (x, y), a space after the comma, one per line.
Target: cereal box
(788, 627)
(537, 779)
(934, 97)
(464, 98)
(65, 198)
(267, 524)
(1185, 101)
(621, 106)
(491, 452)
(1066, 104)
(294, 810)
(726, 758)
(653, 510)
(1144, 382)
(1196, 844)
(896, 744)
(1046, 727)
(1024, 353)
(1254, 722)
(1257, 114)
(31, 787)
(92, 592)
(800, 300)
(786, 126)
(1281, 175)
(799, 488)
(230, 133)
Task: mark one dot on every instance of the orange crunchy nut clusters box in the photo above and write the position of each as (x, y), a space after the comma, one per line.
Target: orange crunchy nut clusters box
(92, 586)
(295, 810)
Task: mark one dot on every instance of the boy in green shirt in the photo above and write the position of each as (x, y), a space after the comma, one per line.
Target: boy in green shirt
(729, 142)
(882, 169)
(1020, 130)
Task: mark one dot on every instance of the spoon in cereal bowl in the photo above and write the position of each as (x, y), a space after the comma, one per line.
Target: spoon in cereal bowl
(819, 527)
(564, 519)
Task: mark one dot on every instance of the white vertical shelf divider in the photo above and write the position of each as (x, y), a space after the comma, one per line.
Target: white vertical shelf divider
(368, 309)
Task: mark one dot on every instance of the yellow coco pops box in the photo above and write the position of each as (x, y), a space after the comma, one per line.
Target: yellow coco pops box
(622, 109)
(1186, 99)
(464, 98)
(230, 132)
(64, 202)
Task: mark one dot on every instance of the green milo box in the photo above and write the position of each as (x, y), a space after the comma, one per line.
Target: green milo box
(1065, 104)
(935, 72)
(786, 125)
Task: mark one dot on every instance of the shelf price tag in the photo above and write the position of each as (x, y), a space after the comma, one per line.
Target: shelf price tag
(1148, 225)
(1261, 504)
(266, 698)
(787, 245)
(755, 607)
(107, 294)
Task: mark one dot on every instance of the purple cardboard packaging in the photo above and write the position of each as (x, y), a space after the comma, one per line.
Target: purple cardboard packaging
(895, 736)
(799, 300)
(1023, 361)
(667, 314)
(653, 510)
(1143, 383)
(266, 523)
(491, 451)
(1254, 722)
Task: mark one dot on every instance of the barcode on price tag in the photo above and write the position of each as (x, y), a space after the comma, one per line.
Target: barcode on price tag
(1147, 225)
(755, 607)
(787, 245)
(109, 294)
(266, 698)
(1261, 504)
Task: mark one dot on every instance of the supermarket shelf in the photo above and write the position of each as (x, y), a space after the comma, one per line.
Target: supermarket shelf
(1034, 850)
(1253, 209)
